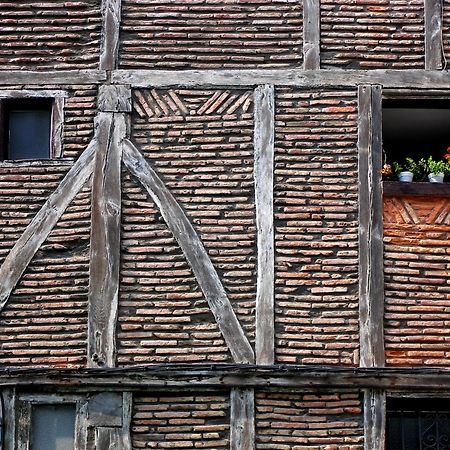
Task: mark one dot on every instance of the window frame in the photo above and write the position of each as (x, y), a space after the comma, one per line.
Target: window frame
(25, 403)
(56, 120)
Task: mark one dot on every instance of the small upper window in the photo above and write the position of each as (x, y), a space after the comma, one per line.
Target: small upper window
(27, 128)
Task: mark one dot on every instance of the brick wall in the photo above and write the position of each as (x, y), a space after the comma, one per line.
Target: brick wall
(300, 421)
(373, 34)
(210, 34)
(44, 323)
(316, 227)
(201, 144)
(417, 280)
(50, 35)
(180, 421)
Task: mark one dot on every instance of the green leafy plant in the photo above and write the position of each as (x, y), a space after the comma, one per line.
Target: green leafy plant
(437, 167)
(409, 165)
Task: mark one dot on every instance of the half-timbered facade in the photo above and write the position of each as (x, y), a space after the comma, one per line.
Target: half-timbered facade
(197, 249)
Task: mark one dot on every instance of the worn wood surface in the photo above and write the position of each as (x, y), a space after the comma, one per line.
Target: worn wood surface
(57, 127)
(33, 93)
(242, 419)
(394, 188)
(311, 34)
(421, 79)
(114, 98)
(40, 227)
(263, 173)
(104, 263)
(371, 286)
(9, 418)
(199, 377)
(107, 438)
(127, 410)
(195, 253)
(109, 52)
(374, 419)
(433, 34)
(105, 410)
(58, 77)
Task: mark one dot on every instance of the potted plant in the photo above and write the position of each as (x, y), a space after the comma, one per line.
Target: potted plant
(437, 170)
(408, 170)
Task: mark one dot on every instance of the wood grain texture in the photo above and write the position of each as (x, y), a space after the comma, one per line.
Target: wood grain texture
(109, 53)
(40, 227)
(57, 127)
(311, 34)
(104, 264)
(45, 78)
(107, 438)
(398, 188)
(114, 98)
(9, 418)
(371, 286)
(242, 419)
(195, 253)
(105, 409)
(433, 34)
(420, 79)
(263, 174)
(374, 419)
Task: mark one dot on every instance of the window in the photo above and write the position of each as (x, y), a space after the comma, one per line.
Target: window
(418, 424)
(52, 427)
(31, 125)
(27, 128)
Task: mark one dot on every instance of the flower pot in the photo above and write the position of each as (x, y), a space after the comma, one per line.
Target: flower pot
(436, 177)
(405, 176)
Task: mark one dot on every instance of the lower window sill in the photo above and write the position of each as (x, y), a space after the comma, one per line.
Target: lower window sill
(396, 188)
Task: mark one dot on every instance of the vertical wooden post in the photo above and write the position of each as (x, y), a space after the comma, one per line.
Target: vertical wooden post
(109, 52)
(105, 240)
(9, 418)
(263, 174)
(433, 34)
(311, 34)
(374, 419)
(371, 285)
(242, 419)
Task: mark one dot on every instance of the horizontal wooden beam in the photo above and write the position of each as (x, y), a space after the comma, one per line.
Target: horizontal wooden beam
(64, 77)
(398, 188)
(422, 79)
(225, 376)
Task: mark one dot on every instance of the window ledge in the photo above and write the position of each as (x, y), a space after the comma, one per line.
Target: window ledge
(393, 188)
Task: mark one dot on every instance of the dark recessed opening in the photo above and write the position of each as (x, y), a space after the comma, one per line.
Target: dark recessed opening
(26, 128)
(417, 424)
(417, 128)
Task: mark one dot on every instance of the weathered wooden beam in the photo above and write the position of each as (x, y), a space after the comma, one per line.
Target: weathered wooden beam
(57, 127)
(104, 263)
(263, 173)
(311, 34)
(399, 188)
(242, 419)
(114, 98)
(195, 253)
(420, 79)
(9, 410)
(45, 78)
(108, 438)
(371, 277)
(219, 376)
(433, 34)
(374, 419)
(43, 222)
(109, 53)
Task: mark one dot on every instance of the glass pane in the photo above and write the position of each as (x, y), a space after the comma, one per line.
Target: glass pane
(53, 427)
(29, 134)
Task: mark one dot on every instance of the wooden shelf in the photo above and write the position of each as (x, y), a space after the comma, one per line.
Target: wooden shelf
(393, 188)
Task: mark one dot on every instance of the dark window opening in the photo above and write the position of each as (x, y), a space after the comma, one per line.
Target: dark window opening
(417, 128)
(53, 427)
(418, 424)
(26, 128)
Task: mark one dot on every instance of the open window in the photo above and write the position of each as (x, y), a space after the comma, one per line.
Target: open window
(31, 125)
(417, 424)
(417, 128)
